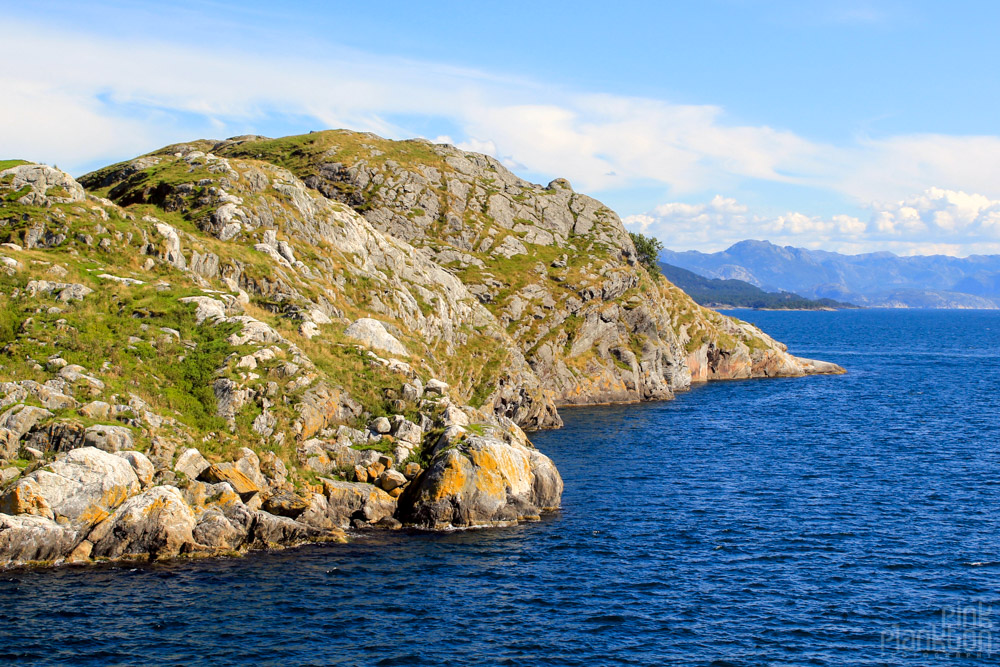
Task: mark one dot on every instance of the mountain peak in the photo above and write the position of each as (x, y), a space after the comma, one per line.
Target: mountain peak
(871, 279)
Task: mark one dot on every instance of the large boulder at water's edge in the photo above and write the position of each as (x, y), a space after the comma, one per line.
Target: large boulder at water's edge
(84, 486)
(28, 538)
(482, 481)
(156, 523)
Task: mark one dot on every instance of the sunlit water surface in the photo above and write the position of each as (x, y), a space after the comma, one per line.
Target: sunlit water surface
(826, 521)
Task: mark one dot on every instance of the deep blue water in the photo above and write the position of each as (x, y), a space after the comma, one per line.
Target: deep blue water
(821, 521)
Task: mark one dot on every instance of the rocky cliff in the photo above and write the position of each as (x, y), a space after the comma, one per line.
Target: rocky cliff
(556, 268)
(229, 345)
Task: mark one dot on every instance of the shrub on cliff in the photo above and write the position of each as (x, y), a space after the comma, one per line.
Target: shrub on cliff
(648, 249)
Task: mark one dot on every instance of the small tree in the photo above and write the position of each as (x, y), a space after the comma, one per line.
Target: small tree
(648, 249)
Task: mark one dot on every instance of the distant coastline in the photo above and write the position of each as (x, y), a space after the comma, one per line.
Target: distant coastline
(731, 293)
(872, 280)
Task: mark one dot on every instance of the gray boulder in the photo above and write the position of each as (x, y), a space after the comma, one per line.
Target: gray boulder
(191, 463)
(216, 531)
(141, 466)
(96, 410)
(22, 418)
(273, 468)
(156, 524)
(27, 538)
(63, 291)
(84, 486)
(49, 397)
(405, 430)
(435, 386)
(318, 515)
(372, 333)
(380, 425)
(270, 530)
(15, 423)
(109, 438)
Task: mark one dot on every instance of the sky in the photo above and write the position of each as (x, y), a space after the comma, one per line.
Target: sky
(849, 125)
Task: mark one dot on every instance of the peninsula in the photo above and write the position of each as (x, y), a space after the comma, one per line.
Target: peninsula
(252, 343)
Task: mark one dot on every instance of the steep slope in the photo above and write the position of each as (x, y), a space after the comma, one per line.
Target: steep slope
(189, 369)
(556, 268)
(255, 226)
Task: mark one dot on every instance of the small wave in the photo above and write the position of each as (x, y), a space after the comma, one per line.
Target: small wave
(606, 618)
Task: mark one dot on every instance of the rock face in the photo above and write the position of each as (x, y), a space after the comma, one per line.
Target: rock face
(593, 326)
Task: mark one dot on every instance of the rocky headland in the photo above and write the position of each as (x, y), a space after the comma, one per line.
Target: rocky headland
(255, 343)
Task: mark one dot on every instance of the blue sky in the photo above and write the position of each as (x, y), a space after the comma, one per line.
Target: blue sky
(852, 125)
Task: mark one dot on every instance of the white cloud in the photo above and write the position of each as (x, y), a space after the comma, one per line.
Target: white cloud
(87, 99)
(894, 167)
(942, 214)
(936, 221)
(58, 126)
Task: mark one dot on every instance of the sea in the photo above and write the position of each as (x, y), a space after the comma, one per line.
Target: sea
(828, 520)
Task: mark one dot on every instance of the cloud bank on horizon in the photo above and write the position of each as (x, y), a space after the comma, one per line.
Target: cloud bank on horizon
(90, 98)
(930, 223)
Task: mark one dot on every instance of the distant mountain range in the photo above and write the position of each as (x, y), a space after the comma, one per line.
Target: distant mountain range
(880, 279)
(729, 292)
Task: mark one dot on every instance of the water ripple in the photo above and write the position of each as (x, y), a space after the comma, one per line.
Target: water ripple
(819, 521)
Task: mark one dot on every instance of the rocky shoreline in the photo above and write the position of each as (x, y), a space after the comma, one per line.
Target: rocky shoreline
(254, 343)
(97, 503)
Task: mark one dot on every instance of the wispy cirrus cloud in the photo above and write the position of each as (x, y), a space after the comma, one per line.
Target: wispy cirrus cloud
(88, 99)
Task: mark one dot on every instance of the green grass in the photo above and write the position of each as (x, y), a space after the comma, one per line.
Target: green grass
(21, 464)
(382, 446)
(8, 164)
(303, 154)
(487, 382)
(17, 194)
